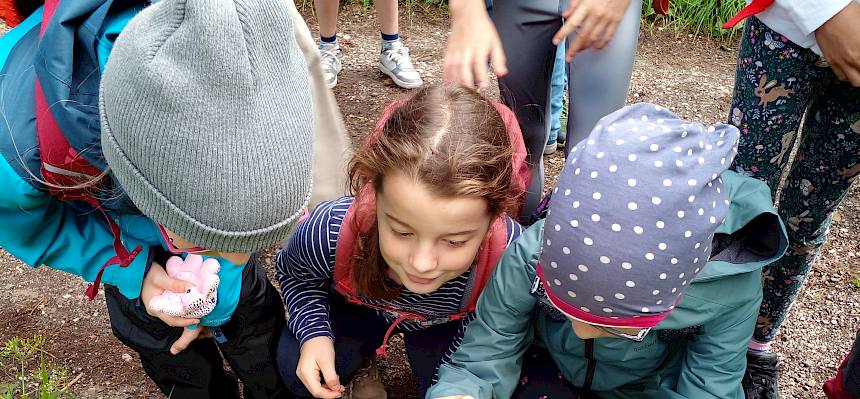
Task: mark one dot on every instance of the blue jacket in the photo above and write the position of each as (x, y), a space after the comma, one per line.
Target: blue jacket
(38, 228)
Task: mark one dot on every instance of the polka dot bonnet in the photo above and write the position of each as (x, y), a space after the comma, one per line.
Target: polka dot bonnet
(632, 216)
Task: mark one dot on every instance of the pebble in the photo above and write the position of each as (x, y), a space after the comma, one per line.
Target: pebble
(126, 357)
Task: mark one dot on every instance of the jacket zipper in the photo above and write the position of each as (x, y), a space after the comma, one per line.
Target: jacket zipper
(592, 364)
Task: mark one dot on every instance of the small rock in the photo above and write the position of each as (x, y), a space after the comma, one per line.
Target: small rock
(126, 357)
(66, 296)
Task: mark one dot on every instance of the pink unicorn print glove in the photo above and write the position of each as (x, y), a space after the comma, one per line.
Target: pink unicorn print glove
(199, 300)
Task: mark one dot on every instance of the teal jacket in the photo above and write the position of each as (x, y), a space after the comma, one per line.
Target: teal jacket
(36, 227)
(718, 313)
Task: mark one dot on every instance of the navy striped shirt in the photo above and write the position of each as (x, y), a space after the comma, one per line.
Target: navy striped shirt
(305, 269)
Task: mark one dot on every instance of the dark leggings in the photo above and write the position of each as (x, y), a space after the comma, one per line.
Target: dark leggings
(778, 83)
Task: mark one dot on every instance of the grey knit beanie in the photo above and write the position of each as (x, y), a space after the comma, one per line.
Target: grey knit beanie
(633, 216)
(207, 120)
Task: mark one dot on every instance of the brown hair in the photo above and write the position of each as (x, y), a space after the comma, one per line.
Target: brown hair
(453, 141)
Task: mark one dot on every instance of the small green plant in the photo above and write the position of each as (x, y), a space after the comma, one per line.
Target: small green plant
(17, 359)
(856, 281)
(697, 17)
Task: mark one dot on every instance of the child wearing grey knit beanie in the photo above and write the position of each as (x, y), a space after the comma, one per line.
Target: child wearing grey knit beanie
(138, 129)
(207, 125)
(642, 281)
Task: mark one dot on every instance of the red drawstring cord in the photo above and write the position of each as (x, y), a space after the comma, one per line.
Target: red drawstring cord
(382, 351)
(123, 258)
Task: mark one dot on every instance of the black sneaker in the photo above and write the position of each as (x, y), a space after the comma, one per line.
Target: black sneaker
(762, 375)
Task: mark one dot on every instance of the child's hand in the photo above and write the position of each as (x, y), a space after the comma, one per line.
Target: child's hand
(197, 301)
(317, 356)
(155, 283)
(188, 336)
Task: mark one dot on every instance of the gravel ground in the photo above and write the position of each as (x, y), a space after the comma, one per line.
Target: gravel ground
(690, 76)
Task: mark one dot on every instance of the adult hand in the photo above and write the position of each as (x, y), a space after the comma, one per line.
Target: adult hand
(156, 282)
(839, 40)
(472, 43)
(596, 20)
(317, 356)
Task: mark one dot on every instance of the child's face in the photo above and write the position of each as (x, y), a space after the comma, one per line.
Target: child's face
(427, 240)
(180, 243)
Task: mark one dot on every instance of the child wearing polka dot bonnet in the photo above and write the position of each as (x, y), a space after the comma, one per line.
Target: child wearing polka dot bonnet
(643, 281)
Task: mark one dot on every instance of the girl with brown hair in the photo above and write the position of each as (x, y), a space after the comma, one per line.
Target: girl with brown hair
(434, 185)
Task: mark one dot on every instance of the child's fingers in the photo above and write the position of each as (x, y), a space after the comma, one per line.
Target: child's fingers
(310, 377)
(330, 376)
(188, 336)
(162, 281)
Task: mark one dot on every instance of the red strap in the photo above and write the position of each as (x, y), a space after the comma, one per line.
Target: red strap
(751, 9)
(123, 258)
(47, 14)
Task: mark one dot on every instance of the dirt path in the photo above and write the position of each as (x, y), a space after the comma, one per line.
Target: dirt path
(692, 78)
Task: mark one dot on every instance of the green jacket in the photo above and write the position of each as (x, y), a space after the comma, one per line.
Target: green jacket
(708, 361)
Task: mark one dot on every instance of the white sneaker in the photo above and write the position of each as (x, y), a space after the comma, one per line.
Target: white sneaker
(394, 61)
(331, 64)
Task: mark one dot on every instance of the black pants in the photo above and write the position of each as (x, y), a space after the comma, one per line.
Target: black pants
(198, 372)
(358, 331)
(540, 378)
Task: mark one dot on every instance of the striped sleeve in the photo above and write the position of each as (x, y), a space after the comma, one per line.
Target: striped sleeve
(305, 267)
(514, 231)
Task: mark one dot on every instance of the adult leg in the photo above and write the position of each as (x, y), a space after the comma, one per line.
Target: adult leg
(249, 340)
(599, 79)
(196, 372)
(358, 331)
(526, 28)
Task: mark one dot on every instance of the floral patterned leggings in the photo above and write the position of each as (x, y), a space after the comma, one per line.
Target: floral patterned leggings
(778, 86)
